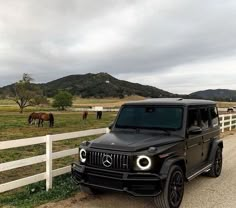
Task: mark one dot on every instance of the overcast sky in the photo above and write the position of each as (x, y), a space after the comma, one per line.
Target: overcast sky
(177, 45)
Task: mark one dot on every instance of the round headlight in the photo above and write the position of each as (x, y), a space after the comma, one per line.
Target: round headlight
(144, 162)
(82, 155)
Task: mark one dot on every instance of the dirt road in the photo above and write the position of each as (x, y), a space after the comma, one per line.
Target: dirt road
(202, 192)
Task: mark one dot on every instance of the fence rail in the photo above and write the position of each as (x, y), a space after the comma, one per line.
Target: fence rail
(48, 157)
(227, 121)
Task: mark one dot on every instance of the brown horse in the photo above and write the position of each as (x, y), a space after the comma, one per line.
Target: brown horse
(33, 117)
(85, 115)
(46, 117)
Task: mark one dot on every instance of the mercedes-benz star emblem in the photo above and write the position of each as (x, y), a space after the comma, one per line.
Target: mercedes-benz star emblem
(107, 161)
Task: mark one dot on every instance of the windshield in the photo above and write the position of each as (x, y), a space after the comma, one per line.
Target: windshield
(150, 117)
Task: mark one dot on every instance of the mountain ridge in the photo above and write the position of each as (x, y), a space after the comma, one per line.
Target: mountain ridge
(215, 94)
(103, 85)
(95, 85)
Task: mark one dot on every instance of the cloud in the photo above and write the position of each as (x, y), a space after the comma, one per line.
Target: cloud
(171, 45)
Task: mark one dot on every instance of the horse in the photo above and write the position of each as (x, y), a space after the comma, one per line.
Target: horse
(46, 117)
(99, 115)
(85, 115)
(230, 110)
(33, 117)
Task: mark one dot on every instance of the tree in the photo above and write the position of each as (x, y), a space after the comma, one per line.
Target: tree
(40, 100)
(62, 100)
(26, 92)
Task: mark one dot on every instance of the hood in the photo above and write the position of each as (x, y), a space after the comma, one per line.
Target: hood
(132, 141)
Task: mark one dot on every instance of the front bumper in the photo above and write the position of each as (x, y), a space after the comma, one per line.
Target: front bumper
(136, 184)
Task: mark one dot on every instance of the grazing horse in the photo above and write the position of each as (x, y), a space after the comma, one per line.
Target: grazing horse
(46, 117)
(99, 115)
(85, 115)
(230, 110)
(33, 117)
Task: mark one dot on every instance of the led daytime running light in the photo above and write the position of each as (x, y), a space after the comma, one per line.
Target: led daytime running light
(148, 166)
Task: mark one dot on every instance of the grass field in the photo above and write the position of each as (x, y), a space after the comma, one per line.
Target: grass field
(107, 102)
(8, 105)
(14, 126)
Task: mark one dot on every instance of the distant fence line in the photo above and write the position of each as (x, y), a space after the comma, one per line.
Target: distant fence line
(94, 110)
(227, 121)
(117, 109)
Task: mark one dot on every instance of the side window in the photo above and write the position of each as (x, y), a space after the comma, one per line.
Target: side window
(205, 120)
(193, 118)
(214, 116)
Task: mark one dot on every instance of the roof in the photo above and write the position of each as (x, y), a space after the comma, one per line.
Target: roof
(171, 101)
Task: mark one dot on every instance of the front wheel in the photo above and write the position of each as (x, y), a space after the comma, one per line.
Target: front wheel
(173, 192)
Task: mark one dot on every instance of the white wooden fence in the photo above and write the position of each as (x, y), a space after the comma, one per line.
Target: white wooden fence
(227, 121)
(48, 157)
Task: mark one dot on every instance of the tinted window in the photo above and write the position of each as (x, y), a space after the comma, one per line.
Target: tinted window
(205, 121)
(214, 116)
(149, 117)
(193, 118)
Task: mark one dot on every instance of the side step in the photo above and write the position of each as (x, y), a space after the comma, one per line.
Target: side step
(199, 172)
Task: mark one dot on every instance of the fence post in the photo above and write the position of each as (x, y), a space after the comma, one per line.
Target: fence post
(223, 124)
(230, 122)
(48, 162)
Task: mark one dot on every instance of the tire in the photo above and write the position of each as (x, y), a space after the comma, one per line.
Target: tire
(89, 190)
(172, 194)
(216, 168)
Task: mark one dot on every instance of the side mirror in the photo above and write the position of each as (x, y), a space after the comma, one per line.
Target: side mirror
(195, 130)
(111, 126)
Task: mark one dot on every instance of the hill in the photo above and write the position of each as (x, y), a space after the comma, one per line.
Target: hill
(217, 95)
(96, 85)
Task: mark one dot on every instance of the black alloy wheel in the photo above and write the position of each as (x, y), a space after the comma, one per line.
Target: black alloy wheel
(218, 162)
(176, 189)
(172, 194)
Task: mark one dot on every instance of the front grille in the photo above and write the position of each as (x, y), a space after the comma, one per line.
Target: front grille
(119, 161)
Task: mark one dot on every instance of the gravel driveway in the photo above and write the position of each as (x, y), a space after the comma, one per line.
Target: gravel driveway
(202, 192)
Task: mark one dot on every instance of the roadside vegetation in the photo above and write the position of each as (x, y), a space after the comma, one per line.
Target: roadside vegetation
(35, 194)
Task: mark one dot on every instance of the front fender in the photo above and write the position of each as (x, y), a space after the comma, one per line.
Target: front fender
(170, 162)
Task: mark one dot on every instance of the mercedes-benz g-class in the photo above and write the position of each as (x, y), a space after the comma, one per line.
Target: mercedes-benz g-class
(153, 147)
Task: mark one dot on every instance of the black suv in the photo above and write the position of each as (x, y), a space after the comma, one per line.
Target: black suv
(153, 147)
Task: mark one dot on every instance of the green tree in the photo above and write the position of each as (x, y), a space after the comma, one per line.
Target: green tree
(62, 100)
(26, 92)
(40, 100)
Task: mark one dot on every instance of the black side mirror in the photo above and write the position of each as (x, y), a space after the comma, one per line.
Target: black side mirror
(111, 126)
(195, 130)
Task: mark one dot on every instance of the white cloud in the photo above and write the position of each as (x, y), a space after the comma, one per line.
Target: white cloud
(187, 78)
(180, 46)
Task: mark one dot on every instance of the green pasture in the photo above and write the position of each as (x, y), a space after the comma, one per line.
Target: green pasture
(13, 125)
